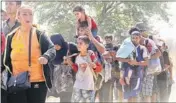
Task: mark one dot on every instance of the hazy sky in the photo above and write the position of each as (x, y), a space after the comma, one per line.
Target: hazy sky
(165, 30)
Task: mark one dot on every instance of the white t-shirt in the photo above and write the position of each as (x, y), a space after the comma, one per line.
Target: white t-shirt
(84, 80)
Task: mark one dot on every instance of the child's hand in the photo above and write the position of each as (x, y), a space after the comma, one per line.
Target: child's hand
(92, 65)
(68, 61)
(121, 81)
(113, 53)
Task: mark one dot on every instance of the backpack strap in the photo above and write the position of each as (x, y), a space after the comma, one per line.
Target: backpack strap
(91, 59)
(90, 55)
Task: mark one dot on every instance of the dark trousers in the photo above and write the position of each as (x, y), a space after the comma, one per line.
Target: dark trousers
(36, 94)
(169, 92)
(3, 96)
(163, 90)
(106, 92)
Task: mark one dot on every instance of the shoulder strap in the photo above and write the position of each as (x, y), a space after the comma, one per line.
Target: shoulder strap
(13, 31)
(68, 50)
(90, 59)
(90, 55)
(30, 43)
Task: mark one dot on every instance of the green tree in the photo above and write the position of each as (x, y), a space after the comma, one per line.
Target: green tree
(111, 17)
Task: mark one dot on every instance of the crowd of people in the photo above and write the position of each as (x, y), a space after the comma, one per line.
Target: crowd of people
(138, 70)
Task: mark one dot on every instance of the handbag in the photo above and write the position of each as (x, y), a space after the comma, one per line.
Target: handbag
(65, 81)
(21, 81)
(63, 78)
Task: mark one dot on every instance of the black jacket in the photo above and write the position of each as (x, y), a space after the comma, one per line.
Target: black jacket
(47, 50)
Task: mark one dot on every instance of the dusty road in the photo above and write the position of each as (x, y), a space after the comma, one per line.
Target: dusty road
(171, 99)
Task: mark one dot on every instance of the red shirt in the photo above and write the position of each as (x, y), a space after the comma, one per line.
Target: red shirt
(93, 23)
(93, 58)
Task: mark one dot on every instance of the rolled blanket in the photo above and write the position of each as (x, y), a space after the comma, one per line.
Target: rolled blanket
(125, 49)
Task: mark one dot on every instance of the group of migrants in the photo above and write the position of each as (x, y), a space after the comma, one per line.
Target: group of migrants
(35, 66)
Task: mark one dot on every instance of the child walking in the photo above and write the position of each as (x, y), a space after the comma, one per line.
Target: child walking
(84, 19)
(85, 65)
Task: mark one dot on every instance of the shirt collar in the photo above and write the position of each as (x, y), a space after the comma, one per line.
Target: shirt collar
(16, 22)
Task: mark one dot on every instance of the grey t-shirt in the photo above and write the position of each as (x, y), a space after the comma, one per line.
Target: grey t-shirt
(84, 80)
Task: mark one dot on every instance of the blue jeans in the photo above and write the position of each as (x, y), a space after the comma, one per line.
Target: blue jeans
(94, 32)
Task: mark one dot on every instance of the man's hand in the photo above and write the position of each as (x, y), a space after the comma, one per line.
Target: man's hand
(113, 53)
(106, 54)
(166, 67)
(43, 60)
(133, 62)
(89, 33)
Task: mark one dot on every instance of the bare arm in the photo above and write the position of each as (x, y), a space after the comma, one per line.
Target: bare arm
(143, 63)
(170, 68)
(122, 59)
(89, 22)
(77, 26)
(100, 47)
(156, 55)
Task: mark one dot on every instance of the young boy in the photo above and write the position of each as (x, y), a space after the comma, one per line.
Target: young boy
(81, 30)
(108, 42)
(85, 66)
(108, 60)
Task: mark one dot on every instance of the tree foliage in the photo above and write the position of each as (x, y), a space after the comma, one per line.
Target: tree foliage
(111, 17)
